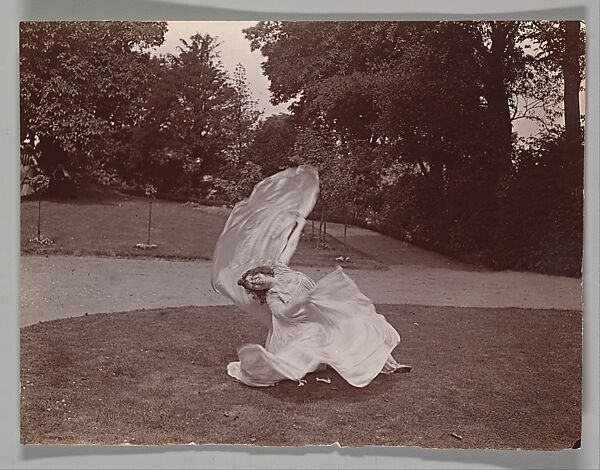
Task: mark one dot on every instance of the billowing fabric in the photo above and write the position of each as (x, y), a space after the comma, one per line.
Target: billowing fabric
(310, 324)
(330, 322)
(263, 230)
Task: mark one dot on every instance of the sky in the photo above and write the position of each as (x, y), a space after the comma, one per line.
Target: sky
(234, 49)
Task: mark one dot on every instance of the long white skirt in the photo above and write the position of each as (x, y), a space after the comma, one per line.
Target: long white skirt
(334, 324)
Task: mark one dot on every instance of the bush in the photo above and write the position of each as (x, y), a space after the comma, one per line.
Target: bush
(542, 213)
(535, 224)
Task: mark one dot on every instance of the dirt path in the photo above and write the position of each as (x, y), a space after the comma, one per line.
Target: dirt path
(64, 286)
(391, 251)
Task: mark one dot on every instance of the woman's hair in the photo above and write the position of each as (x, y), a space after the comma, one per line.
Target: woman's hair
(260, 295)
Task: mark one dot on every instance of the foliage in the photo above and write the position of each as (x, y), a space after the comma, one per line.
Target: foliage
(40, 183)
(419, 89)
(81, 84)
(425, 111)
(539, 224)
(243, 117)
(543, 211)
(150, 192)
(242, 178)
(556, 53)
(197, 122)
(409, 123)
(177, 138)
(273, 143)
(239, 173)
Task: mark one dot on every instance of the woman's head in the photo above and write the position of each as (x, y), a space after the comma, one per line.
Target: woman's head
(257, 281)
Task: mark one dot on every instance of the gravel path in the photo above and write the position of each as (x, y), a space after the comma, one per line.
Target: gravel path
(64, 286)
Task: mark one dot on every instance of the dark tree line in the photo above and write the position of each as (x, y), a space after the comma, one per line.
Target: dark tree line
(410, 123)
(98, 106)
(81, 86)
(419, 115)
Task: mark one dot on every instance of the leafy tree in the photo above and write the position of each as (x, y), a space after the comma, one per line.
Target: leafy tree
(273, 143)
(542, 216)
(500, 61)
(558, 55)
(81, 85)
(238, 186)
(572, 68)
(40, 184)
(343, 184)
(409, 84)
(239, 125)
(426, 108)
(384, 89)
(182, 134)
(243, 117)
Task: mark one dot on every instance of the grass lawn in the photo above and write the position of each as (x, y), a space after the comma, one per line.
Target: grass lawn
(499, 378)
(112, 226)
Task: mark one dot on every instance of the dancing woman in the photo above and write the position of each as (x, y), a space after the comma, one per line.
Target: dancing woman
(311, 325)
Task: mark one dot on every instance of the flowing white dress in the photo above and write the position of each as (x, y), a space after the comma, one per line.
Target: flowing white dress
(329, 322)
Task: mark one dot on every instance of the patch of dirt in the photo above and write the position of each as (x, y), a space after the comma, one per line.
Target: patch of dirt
(63, 286)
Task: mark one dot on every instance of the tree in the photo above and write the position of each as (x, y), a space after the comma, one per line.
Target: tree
(380, 85)
(183, 133)
(399, 83)
(428, 107)
(495, 45)
(571, 65)
(341, 184)
(244, 116)
(273, 143)
(240, 173)
(81, 85)
(40, 184)
(558, 69)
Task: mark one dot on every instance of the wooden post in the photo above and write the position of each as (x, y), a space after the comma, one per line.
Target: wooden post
(149, 218)
(39, 216)
(345, 229)
(320, 229)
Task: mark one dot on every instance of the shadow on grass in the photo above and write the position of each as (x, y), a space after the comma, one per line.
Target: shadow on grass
(337, 391)
(491, 376)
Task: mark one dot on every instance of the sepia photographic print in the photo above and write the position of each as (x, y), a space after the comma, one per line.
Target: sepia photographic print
(281, 233)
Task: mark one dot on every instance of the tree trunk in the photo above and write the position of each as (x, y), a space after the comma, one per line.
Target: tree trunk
(496, 158)
(500, 125)
(570, 69)
(436, 179)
